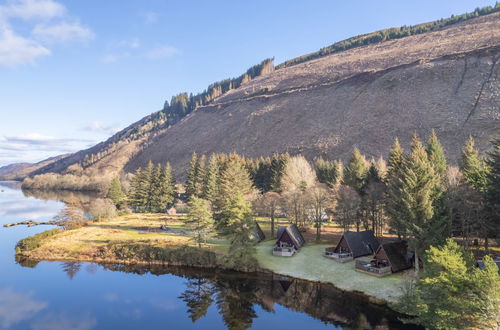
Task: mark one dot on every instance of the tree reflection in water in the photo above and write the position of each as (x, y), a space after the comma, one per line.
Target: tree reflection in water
(236, 294)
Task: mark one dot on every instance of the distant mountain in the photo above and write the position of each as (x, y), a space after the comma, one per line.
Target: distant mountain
(443, 77)
(18, 171)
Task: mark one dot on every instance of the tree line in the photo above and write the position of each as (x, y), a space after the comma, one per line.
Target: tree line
(390, 34)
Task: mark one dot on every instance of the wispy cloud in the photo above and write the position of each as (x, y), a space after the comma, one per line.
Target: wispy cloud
(17, 306)
(35, 147)
(65, 321)
(99, 127)
(16, 50)
(63, 32)
(51, 25)
(149, 17)
(161, 52)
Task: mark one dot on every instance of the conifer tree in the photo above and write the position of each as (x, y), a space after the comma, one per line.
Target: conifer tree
(492, 191)
(394, 173)
(355, 172)
(200, 175)
(278, 165)
(138, 191)
(149, 177)
(211, 185)
(473, 167)
(417, 186)
(192, 177)
(115, 192)
(436, 155)
(167, 187)
(329, 172)
(234, 180)
(200, 219)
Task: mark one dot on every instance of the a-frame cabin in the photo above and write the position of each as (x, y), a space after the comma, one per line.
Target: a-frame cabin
(353, 245)
(288, 241)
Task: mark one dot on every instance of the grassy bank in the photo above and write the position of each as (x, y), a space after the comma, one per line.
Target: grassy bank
(136, 239)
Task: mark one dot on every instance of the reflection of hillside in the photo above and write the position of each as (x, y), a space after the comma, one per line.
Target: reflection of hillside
(65, 196)
(236, 295)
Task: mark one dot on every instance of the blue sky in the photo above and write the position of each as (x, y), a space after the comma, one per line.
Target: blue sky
(73, 72)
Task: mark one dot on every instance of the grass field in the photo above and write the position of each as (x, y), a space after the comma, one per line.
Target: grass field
(309, 264)
(82, 244)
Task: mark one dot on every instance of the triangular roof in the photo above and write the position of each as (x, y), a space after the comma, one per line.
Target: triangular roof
(294, 233)
(397, 254)
(361, 243)
(257, 233)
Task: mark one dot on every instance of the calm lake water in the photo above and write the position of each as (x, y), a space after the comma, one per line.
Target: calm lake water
(58, 295)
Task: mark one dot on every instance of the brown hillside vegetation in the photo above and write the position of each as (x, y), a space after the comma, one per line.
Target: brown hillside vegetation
(445, 80)
(363, 97)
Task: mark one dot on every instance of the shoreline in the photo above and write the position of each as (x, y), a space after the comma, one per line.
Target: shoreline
(122, 241)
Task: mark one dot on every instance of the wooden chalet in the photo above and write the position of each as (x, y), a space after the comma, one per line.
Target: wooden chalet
(288, 241)
(389, 258)
(257, 233)
(353, 245)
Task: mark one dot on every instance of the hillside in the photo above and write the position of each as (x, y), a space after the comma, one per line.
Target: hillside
(445, 79)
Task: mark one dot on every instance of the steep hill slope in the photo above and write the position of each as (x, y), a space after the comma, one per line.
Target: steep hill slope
(445, 80)
(324, 104)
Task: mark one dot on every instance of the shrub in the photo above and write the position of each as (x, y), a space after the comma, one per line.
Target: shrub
(34, 242)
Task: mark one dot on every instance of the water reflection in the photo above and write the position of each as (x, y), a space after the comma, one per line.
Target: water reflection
(236, 296)
(17, 306)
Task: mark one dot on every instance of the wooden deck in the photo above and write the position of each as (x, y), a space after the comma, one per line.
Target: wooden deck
(364, 266)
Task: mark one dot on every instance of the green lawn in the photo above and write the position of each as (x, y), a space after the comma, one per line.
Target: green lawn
(310, 264)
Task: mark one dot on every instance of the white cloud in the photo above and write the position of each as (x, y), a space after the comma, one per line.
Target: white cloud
(17, 306)
(35, 147)
(16, 50)
(64, 322)
(32, 9)
(51, 26)
(99, 127)
(161, 52)
(62, 32)
(109, 58)
(149, 17)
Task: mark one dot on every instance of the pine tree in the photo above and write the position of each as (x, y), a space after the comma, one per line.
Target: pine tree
(192, 177)
(137, 195)
(149, 177)
(234, 180)
(416, 192)
(156, 203)
(200, 219)
(492, 191)
(355, 172)
(200, 175)
(240, 225)
(115, 192)
(211, 185)
(436, 155)
(473, 166)
(329, 172)
(278, 165)
(167, 188)
(394, 174)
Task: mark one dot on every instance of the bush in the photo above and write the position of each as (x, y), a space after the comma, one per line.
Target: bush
(34, 242)
(102, 208)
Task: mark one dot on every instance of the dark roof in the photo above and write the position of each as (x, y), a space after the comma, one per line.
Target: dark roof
(361, 243)
(294, 233)
(397, 253)
(480, 264)
(257, 233)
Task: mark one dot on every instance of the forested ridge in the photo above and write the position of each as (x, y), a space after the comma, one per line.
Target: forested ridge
(390, 34)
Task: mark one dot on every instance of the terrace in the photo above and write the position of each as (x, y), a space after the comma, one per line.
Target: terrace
(342, 256)
(375, 267)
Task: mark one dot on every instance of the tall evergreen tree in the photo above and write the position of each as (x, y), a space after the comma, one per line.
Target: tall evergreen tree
(416, 192)
(329, 172)
(355, 172)
(436, 155)
(473, 166)
(200, 175)
(192, 177)
(493, 187)
(211, 185)
(115, 192)
(200, 219)
(138, 191)
(394, 174)
(278, 165)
